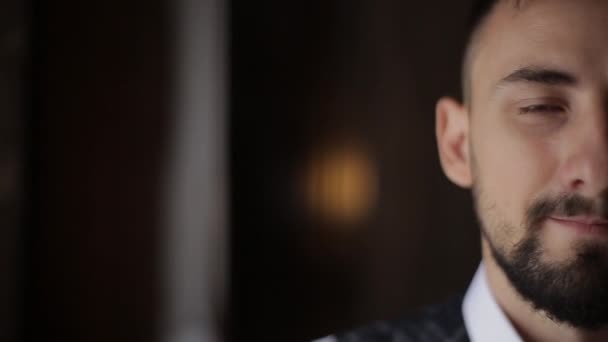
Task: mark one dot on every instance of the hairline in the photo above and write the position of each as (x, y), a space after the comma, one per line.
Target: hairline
(471, 48)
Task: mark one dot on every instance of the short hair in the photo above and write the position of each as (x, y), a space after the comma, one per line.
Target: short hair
(479, 12)
(480, 9)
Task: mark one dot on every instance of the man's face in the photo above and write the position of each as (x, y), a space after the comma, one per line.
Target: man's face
(538, 139)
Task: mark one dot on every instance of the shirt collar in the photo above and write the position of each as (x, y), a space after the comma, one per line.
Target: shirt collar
(483, 318)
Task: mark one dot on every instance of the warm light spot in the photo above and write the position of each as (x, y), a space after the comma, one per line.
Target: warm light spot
(341, 184)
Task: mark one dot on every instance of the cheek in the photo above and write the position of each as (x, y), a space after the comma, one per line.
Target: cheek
(512, 171)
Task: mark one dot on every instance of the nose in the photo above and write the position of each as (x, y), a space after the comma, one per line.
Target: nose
(586, 168)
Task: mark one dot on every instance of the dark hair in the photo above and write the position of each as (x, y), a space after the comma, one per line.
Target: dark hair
(480, 9)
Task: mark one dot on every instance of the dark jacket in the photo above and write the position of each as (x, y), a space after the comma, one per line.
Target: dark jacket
(432, 324)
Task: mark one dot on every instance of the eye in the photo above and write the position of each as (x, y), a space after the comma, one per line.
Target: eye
(542, 109)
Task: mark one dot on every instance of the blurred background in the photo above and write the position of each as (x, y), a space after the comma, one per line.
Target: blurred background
(208, 170)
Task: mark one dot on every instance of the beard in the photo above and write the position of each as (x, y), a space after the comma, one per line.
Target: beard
(572, 291)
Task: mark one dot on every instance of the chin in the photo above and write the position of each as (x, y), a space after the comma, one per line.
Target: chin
(571, 288)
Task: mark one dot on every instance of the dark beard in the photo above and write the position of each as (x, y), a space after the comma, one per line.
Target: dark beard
(573, 292)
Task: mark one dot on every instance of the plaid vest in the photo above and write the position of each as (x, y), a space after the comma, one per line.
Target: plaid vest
(439, 323)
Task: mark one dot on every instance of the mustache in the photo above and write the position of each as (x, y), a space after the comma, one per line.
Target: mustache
(566, 205)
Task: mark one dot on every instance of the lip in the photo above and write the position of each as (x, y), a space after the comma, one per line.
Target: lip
(587, 225)
(587, 220)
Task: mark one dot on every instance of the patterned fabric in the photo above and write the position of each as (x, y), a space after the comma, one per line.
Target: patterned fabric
(440, 323)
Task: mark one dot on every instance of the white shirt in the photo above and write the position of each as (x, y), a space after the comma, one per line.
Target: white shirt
(483, 318)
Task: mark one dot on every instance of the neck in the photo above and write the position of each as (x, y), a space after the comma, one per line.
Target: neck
(532, 325)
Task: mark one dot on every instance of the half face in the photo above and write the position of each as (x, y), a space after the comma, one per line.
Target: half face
(538, 125)
(536, 141)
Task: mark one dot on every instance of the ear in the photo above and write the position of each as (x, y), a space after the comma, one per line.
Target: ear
(452, 132)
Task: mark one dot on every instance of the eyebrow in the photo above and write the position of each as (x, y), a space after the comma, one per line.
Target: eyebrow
(540, 75)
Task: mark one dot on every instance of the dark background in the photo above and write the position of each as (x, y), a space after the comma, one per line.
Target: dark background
(86, 88)
(97, 122)
(13, 43)
(307, 75)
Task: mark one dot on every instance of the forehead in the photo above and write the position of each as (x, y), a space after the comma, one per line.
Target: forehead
(568, 35)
